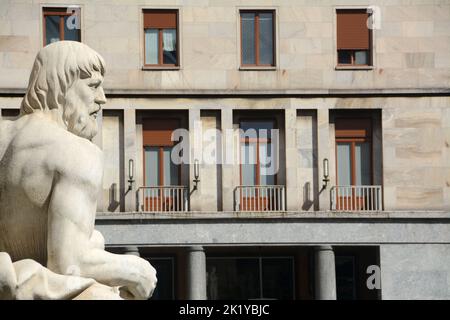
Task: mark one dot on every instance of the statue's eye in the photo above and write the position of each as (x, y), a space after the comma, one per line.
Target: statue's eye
(94, 85)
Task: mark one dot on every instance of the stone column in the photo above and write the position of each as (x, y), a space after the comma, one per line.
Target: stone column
(196, 277)
(134, 251)
(227, 155)
(325, 273)
(323, 137)
(292, 190)
(195, 150)
(129, 129)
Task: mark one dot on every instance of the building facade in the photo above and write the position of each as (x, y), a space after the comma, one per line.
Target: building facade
(313, 139)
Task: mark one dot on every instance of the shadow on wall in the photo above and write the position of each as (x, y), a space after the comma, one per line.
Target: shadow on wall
(113, 203)
(307, 201)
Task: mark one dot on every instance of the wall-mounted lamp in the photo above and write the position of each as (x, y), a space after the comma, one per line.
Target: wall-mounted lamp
(196, 173)
(130, 174)
(326, 173)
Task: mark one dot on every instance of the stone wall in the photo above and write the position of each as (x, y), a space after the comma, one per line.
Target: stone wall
(413, 149)
(412, 46)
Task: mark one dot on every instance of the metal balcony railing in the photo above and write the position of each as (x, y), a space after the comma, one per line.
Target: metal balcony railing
(163, 199)
(356, 198)
(260, 198)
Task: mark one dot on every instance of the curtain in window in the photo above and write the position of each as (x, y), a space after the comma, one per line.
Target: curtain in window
(169, 39)
(151, 46)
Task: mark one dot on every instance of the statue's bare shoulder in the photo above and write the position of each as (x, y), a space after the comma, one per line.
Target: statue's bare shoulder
(51, 154)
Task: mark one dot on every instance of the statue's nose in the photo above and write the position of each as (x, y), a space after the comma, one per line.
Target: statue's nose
(100, 98)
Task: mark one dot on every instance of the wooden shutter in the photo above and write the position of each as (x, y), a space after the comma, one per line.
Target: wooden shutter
(352, 31)
(160, 19)
(353, 128)
(158, 132)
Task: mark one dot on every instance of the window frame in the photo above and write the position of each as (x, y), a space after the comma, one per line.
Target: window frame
(256, 44)
(244, 140)
(370, 50)
(161, 64)
(352, 140)
(160, 156)
(260, 259)
(56, 11)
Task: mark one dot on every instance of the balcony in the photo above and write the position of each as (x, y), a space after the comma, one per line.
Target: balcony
(163, 199)
(259, 198)
(356, 198)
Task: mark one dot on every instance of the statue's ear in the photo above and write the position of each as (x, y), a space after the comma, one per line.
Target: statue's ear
(84, 74)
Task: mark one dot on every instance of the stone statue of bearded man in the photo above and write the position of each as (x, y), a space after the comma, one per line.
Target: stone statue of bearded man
(50, 174)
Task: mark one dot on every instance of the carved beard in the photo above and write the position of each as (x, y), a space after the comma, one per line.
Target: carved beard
(78, 120)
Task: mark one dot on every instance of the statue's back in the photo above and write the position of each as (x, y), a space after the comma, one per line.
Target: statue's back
(22, 224)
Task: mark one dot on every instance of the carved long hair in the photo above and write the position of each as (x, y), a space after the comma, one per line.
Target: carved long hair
(55, 69)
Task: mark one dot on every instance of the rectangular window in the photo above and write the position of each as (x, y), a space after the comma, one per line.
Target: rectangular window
(257, 38)
(61, 24)
(354, 38)
(256, 148)
(250, 278)
(354, 152)
(159, 168)
(161, 38)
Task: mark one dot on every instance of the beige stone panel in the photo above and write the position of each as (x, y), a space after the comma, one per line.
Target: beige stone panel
(390, 60)
(18, 60)
(415, 176)
(25, 27)
(429, 138)
(416, 197)
(22, 11)
(123, 29)
(289, 30)
(306, 13)
(172, 79)
(111, 169)
(442, 60)
(389, 29)
(307, 46)
(233, 79)
(113, 44)
(292, 61)
(205, 79)
(117, 78)
(211, 14)
(5, 27)
(319, 30)
(308, 78)
(408, 12)
(417, 156)
(322, 61)
(419, 60)
(396, 44)
(195, 30)
(418, 28)
(418, 119)
(442, 28)
(16, 79)
(441, 11)
(389, 197)
(222, 29)
(14, 43)
(213, 61)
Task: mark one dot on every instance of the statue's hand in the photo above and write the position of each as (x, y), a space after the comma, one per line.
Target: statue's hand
(144, 279)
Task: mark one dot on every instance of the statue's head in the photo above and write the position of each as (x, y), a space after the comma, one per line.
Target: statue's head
(67, 77)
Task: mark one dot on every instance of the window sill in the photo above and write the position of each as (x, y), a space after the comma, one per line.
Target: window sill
(257, 68)
(161, 68)
(354, 68)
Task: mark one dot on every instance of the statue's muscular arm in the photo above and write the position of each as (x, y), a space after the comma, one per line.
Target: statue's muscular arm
(73, 244)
